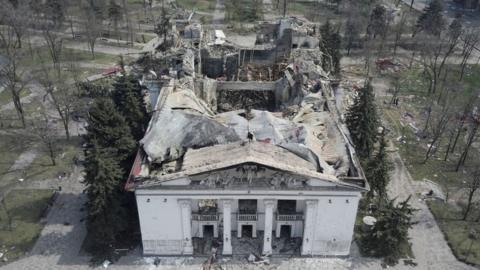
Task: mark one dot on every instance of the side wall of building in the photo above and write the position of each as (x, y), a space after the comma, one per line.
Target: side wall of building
(160, 225)
(335, 220)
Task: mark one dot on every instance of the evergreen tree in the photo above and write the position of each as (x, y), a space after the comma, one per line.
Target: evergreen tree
(352, 33)
(330, 44)
(362, 121)
(390, 232)
(431, 21)
(106, 216)
(107, 127)
(128, 98)
(378, 21)
(377, 171)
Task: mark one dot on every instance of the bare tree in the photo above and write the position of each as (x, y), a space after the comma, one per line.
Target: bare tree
(60, 95)
(54, 44)
(438, 125)
(470, 40)
(472, 185)
(12, 77)
(46, 132)
(93, 28)
(399, 30)
(18, 17)
(471, 138)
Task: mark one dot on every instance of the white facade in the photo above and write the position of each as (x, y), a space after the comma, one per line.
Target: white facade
(325, 218)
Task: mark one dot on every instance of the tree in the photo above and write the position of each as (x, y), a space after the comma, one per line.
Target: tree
(438, 125)
(378, 22)
(54, 11)
(352, 33)
(377, 171)
(471, 37)
(330, 44)
(107, 127)
(115, 15)
(46, 132)
(472, 136)
(390, 231)
(16, 15)
(106, 217)
(92, 24)
(128, 97)
(431, 21)
(163, 26)
(472, 186)
(54, 43)
(399, 29)
(362, 120)
(11, 76)
(60, 95)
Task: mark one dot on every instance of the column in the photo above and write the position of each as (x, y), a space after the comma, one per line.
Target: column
(309, 226)
(186, 213)
(227, 227)
(267, 233)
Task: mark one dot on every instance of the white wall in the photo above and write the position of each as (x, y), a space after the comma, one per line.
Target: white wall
(334, 225)
(160, 224)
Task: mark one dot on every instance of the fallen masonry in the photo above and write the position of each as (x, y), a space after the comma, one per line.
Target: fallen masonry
(245, 153)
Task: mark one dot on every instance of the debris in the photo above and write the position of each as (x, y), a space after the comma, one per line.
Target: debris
(20, 180)
(251, 258)
(106, 263)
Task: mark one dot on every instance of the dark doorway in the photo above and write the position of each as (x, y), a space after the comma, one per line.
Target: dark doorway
(287, 207)
(247, 231)
(285, 231)
(207, 231)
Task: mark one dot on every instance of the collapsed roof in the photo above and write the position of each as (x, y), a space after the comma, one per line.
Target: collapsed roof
(189, 134)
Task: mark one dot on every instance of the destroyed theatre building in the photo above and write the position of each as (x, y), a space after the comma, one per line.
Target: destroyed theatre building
(245, 150)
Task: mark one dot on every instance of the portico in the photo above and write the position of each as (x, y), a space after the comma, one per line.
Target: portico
(254, 200)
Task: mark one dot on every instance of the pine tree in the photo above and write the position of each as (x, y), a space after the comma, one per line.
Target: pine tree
(362, 121)
(106, 216)
(330, 44)
(377, 171)
(431, 20)
(378, 21)
(107, 127)
(390, 232)
(128, 98)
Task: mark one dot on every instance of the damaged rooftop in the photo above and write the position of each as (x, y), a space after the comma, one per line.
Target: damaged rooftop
(217, 104)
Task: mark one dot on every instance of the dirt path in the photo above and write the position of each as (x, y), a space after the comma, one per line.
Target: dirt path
(428, 243)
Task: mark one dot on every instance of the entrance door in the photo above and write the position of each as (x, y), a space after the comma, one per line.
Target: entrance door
(285, 231)
(208, 231)
(247, 231)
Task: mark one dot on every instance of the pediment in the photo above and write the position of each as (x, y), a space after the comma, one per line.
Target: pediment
(249, 176)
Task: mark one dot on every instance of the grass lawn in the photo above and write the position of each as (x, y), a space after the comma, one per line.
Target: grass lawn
(457, 231)
(414, 148)
(243, 10)
(200, 5)
(11, 146)
(40, 168)
(6, 97)
(42, 55)
(24, 208)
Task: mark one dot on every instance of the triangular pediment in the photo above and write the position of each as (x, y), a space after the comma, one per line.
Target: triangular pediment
(250, 175)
